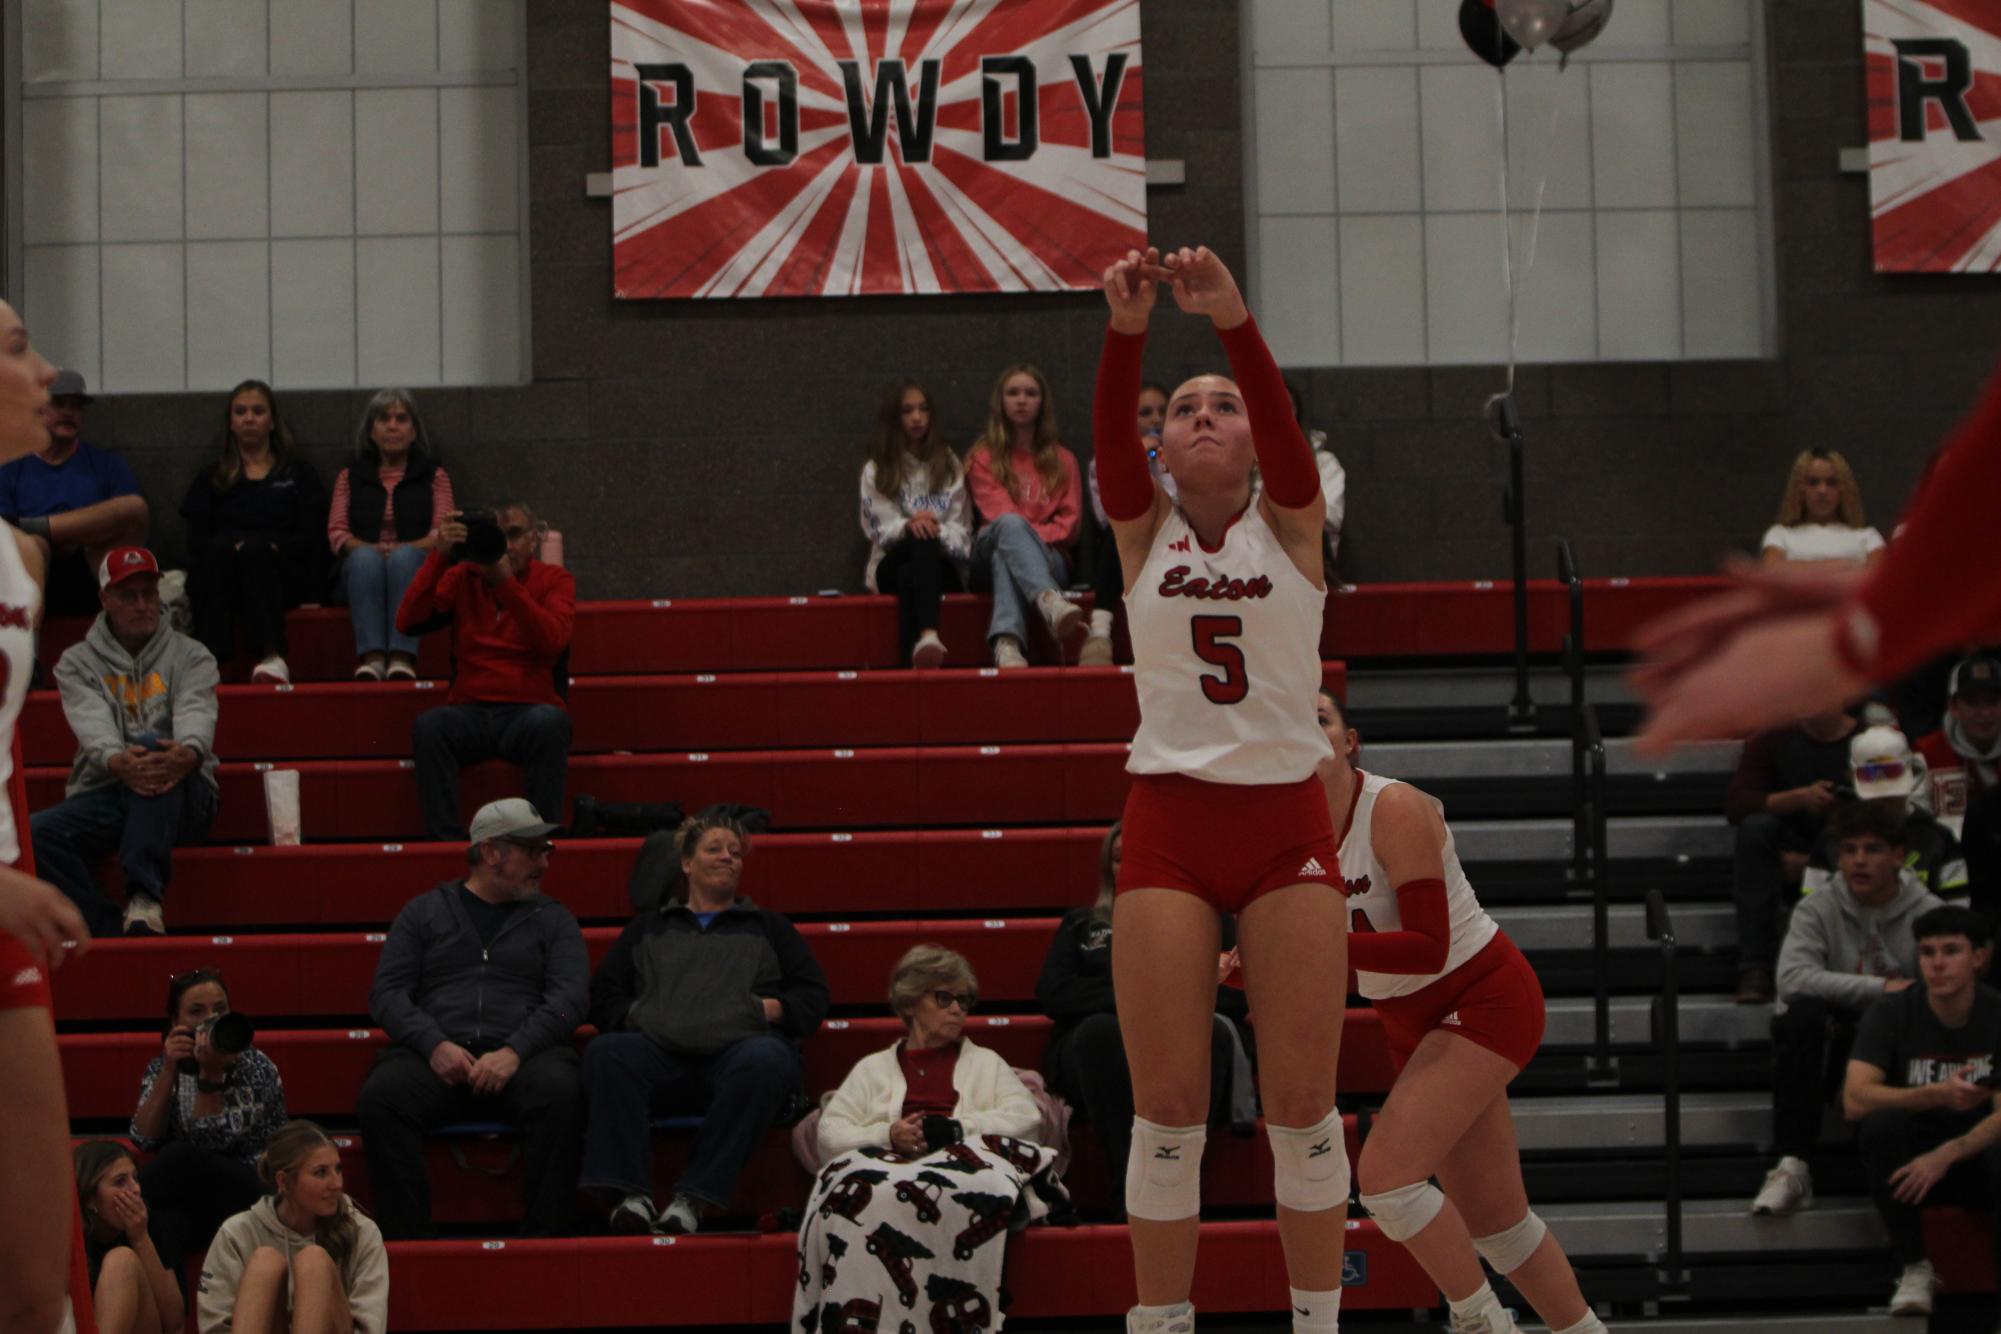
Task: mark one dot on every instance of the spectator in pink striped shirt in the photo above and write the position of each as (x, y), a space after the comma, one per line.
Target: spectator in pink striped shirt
(382, 524)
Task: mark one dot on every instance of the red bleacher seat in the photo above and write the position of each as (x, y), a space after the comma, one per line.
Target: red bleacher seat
(893, 786)
(920, 871)
(323, 1068)
(1957, 1243)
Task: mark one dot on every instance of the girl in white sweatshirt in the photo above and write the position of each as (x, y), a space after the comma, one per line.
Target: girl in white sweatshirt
(303, 1258)
(916, 516)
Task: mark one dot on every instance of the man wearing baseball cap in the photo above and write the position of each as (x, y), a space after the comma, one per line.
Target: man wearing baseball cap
(1884, 770)
(78, 500)
(481, 984)
(140, 697)
(1964, 754)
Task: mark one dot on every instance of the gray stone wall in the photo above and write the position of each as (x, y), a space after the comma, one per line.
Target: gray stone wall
(692, 448)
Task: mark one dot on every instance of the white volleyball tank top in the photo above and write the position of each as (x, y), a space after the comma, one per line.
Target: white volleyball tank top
(1226, 655)
(20, 599)
(1373, 899)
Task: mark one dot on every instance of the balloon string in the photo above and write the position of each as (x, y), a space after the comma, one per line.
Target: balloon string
(1507, 221)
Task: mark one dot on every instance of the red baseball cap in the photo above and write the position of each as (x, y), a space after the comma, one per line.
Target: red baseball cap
(124, 562)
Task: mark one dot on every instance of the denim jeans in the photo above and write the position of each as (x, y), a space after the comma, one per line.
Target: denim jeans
(630, 1080)
(73, 836)
(447, 738)
(375, 587)
(1018, 566)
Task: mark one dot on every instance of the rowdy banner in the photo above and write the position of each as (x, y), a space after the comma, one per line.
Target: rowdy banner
(1934, 88)
(859, 147)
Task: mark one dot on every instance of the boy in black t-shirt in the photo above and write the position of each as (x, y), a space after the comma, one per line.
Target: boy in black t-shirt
(1921, 1082)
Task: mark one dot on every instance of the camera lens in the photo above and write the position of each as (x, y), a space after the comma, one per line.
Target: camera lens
(230, 1034)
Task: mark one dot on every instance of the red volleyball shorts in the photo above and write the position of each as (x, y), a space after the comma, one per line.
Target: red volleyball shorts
(1493, 999)
(23, 982)
(1226, 843)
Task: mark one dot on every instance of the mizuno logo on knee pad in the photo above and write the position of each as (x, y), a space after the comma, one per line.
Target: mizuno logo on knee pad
(1321, 1149)
(1168, 1153)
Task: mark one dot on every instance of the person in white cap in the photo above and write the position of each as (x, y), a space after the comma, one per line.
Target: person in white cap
(140, 697)
(1963, 757)
(1849, 943)
(1882, 769)
(77, 500)
(481, 986)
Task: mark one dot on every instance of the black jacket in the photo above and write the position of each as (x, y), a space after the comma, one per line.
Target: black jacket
(697, 991)
(367, 498)
(286, 509)
(1076, 980)
(436, 981)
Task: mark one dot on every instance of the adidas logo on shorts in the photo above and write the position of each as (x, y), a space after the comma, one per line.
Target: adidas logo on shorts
(1451, 1019)
(28, 977)
(1313, 867)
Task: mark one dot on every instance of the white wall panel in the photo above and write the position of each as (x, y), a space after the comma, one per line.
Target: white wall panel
(479, 153)
(1289, 27)
(1639, 286)
(1376, 25)
(1295, 123)
(312, 37)
(312, 164)
(395, 36)
(227, 39)
(1632, 135)
(229, 312)
(396, 161)
(397, 320)
(1714, 154)
(1712, 22)
(1376, 154)
(1382, 290)
(59, 306)
(1462, 137)
(312, 314)
(1721, 295)
(59, 170)
(139, 39)
(478, 35)
(228, 169)
(1556, 299)
(58, 40)
(139, 170)
(145, 324)
(482, 309)
(1466, 301)
(1299, 264)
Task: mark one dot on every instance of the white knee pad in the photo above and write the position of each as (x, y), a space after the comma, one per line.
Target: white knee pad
(1406, 1211)
(1510, 1248)
(1310, 1166)
(1164, 1171)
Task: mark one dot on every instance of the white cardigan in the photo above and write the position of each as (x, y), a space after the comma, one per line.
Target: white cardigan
(992, 1101)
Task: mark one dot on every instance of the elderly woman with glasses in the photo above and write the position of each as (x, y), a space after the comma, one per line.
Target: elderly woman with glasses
(930, 1160)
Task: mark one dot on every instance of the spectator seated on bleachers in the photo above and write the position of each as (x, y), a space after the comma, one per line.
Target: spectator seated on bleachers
(140, 697)
(1085, 1061)
(1848, 944)
(79, 501)
(303, 1257)
(1883, 770)
(1921, 1083)
(204, 1115)
(382, 524)
(931, 1157)
(916, 517)
(256, 534)
(1028, 489)
(480, 987)
(1333, 480)
(1101, 550)
(511, 620)
(1820, 516)
(1963, 757)
(1786, 783)
(131, 1291)
(701, 1008)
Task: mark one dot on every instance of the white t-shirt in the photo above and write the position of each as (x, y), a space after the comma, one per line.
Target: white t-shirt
(20, 600)
(1824, 541)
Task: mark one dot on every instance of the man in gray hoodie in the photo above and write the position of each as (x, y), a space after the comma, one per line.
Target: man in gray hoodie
(140, 697)
(1850, 943)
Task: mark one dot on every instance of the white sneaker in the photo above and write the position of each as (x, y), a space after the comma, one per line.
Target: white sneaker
(143, 916)
(1788, 1187)
(1180, 1319)
(1492, 1318)
(633, 1217)
(271, 671)
(1061, 614)
(929, 651)
(1007, 652)
(681, 1218)
(1097, 652)
(1915, 1287)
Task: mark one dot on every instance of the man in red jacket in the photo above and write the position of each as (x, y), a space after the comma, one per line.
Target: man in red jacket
(511, 622)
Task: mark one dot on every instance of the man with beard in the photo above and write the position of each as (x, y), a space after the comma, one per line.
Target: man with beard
(77, 500)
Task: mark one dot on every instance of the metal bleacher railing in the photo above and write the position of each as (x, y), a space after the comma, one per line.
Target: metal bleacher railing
(1667, 1035)
(1590, 869)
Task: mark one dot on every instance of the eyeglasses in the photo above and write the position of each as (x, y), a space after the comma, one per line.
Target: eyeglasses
(1881, 771)
(965, 1000)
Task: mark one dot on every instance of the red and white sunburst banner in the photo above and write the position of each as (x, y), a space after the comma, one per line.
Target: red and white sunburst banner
(765, 148)
(1934, 80)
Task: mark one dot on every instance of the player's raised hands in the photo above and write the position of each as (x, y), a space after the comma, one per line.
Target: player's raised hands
(1203, 285)
(1131, 286)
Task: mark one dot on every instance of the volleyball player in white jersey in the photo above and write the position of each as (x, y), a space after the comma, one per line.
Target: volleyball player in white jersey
(1463, 1013)
(1224, 593)
(40, 1259)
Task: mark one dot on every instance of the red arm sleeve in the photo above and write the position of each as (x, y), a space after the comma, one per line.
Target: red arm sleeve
(420, 602)
(1929, 595)
(1125, 483)
(1423, 943)
(1292, 479)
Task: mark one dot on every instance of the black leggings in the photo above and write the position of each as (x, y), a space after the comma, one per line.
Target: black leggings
(189, 1192)
(919, 573)
(252, 588)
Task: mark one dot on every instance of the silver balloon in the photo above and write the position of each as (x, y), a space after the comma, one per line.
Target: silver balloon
(1587, 19)
(1532, 22)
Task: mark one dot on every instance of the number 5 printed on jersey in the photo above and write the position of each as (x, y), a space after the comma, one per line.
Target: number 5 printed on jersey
(1209, 633)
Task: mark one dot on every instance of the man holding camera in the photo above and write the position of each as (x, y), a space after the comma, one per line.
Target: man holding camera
(140, 697)
(481, 986)
(511, 616)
